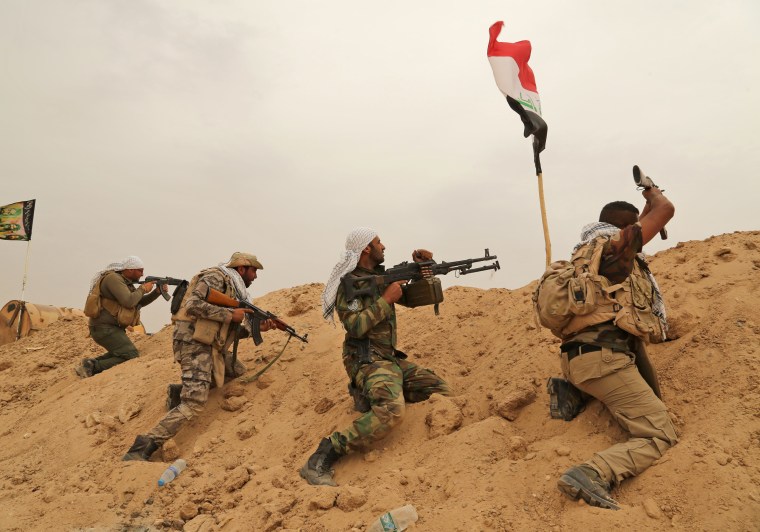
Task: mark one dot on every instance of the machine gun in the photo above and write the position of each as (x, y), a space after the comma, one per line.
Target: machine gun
(161, 281)
(424, 288)
(257, 315)
(645, 182)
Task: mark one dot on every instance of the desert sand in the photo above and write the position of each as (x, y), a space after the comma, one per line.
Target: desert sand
(486, 459)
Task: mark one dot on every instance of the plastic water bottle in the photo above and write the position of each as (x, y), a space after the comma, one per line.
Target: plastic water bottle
(395, 520)
(172, 472)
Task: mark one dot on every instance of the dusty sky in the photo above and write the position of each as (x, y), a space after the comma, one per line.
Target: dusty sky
(181, 131)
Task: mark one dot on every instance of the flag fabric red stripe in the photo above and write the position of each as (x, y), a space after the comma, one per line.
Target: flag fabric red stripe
(516, 81)
(519, 51)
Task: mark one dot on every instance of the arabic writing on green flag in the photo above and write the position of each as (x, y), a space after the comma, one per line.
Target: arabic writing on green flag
(16, 220)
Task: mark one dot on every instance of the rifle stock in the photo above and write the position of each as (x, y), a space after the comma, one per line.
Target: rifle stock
(215, 297)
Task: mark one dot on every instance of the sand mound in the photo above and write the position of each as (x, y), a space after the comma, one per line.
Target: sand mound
(487, 459)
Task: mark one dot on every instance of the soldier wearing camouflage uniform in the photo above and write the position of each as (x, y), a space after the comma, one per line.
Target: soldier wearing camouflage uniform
(202, 334)
(610, 364)
(378, 372)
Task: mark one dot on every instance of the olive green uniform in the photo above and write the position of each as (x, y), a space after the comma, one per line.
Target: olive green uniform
(382, 373)
(105, 329)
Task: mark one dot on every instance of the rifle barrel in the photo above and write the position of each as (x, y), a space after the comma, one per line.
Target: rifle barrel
(493, 267)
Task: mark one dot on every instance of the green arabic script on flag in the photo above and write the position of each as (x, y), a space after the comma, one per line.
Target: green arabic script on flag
(16, 220)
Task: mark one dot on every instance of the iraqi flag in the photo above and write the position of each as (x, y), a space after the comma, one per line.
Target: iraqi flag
(515, 80)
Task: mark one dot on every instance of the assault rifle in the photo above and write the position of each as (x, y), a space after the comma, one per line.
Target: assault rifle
(413, 271)
(645, 182)
(257, 315)
(161, 281)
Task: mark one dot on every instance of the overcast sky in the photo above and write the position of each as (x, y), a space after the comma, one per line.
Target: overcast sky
(181, 131)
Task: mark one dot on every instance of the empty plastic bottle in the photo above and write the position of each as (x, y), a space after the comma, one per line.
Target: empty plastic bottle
(172, 472)
(395, 520)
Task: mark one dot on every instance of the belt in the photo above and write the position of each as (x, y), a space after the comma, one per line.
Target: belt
(573, 350)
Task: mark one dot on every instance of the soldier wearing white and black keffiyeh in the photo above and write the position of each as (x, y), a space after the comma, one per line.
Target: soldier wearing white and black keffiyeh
(381, 379)
(356, 241)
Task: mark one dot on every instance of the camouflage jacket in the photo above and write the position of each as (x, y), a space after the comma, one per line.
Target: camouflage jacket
(195, 306)
(367, 316)
(617, 264)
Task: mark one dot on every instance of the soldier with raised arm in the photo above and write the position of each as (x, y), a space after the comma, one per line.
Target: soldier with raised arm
(603, 355)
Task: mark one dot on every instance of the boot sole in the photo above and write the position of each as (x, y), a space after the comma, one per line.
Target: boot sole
(575, 489)
(137, 457)
(316, 480)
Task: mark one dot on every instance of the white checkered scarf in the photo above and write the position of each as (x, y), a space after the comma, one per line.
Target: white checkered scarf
(356, 241)
(241, 293)
(132, 262)
(597, 229)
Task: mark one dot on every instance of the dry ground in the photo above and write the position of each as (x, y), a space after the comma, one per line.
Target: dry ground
(486, 459)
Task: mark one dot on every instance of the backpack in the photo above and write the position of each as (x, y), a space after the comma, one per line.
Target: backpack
(568, 289)
(92, 306)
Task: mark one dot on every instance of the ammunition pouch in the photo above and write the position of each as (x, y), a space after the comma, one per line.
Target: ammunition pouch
(213, 333)
(421, 293)
(565, 400)
(125, 317)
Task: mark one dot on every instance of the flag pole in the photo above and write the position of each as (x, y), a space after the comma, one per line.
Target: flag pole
(22, 304)
(26, 267)
(539, 175)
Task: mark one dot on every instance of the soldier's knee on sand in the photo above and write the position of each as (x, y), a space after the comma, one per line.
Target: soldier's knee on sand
(190, 410)
(390, 413)
(128, 354)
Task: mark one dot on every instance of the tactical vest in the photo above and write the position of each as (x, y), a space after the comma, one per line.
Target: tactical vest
(96, 302)
(208, 332)
(572, 296)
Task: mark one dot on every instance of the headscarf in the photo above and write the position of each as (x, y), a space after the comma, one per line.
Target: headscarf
(132, 262)
(597, 229)
(356, 241)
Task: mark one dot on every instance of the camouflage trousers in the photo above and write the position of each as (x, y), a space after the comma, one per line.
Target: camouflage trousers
(197, 369)
(612, 378)
(388, 386)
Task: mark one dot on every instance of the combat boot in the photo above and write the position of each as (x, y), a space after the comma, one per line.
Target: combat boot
(173, 399)
(318, 469)
(584, 482)
(142, 449)
(86, 368)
